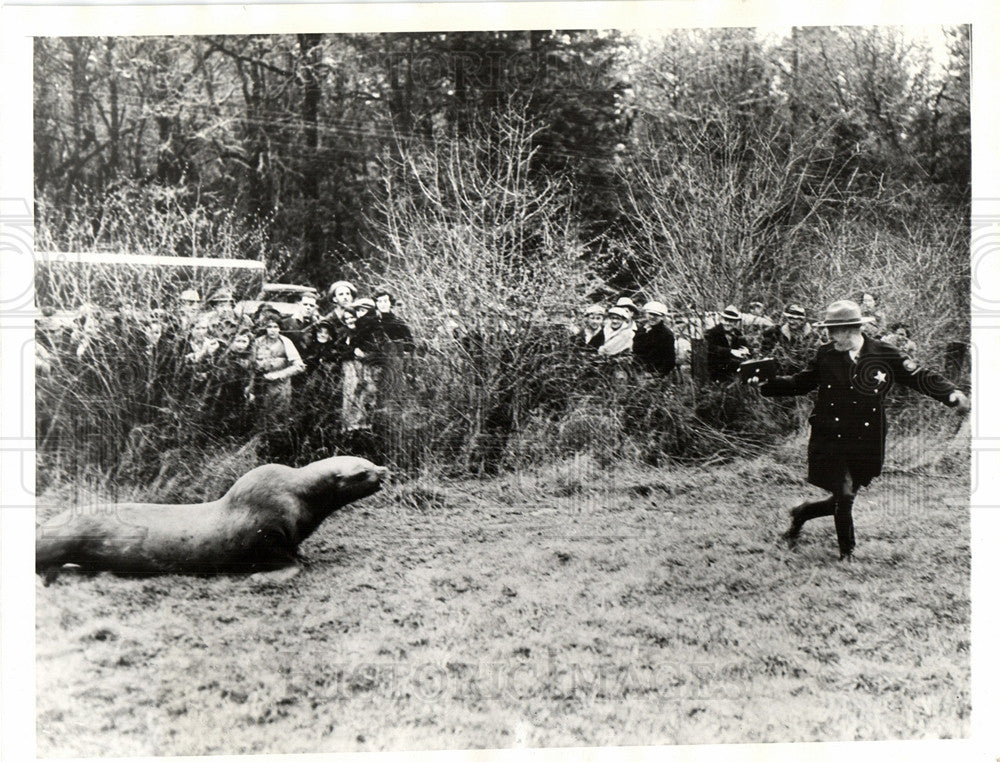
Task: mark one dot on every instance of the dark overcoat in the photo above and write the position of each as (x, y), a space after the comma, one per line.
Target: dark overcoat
(848, 420)
(654, 349)
(719, 344)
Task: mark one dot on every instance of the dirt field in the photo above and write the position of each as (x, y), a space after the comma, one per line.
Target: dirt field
(572, 607)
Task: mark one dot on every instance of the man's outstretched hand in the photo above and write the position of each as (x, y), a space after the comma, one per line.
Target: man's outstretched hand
(960, 401)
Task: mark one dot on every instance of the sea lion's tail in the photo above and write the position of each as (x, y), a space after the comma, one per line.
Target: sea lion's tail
(50, 551)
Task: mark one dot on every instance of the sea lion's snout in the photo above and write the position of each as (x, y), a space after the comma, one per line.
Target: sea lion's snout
(361, 477)
(375, 477)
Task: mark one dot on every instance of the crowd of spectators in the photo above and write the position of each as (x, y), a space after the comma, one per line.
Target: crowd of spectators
(233, 372)
(665, 341)
(238, 373)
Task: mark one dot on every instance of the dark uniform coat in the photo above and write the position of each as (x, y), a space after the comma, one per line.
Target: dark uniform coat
(848, 420)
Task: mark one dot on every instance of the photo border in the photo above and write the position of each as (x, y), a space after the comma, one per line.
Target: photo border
(21, 22)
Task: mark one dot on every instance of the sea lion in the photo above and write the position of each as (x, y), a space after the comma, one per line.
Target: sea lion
(255, 527)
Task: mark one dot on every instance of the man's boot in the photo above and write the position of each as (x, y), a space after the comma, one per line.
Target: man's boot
(803, 513)
(844, 521)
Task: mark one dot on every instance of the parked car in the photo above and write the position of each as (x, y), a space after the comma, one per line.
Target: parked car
(283, 297)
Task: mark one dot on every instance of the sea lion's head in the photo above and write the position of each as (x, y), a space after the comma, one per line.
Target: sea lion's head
(358, 477)
(334, 482)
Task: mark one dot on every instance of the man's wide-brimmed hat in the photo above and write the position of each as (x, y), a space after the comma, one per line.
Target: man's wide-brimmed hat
(655, 308)
(795, 311)
(731, 313)
(843, 314)
(594, 309)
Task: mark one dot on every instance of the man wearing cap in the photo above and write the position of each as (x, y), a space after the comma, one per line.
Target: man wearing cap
(619, 331)
(343, 295)
(726, 346)
(754, 318)
(188, 309)
(591, 336)
(222, 314)
(626, 303)
(790, 342)
(653, 344)
(853, 374)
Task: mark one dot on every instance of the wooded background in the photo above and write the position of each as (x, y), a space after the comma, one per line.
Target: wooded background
(703, 165)
(506, 179)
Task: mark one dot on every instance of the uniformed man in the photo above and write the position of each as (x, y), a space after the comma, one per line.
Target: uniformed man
(188, 310)
(224, 321)
(853, 374)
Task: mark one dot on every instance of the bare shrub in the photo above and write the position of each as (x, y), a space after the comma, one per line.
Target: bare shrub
(490, 259)
(146, 218)
(727, 209)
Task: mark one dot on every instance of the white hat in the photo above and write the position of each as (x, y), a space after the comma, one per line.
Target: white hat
(190, 295)
(342, 283)
(621, 312)
(731, 313)
(656, 308)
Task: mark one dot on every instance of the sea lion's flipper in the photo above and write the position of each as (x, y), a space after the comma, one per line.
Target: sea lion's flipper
(277, 576)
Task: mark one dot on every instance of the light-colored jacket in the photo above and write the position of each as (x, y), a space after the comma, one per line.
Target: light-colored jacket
(616, 342)
(277, 363)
